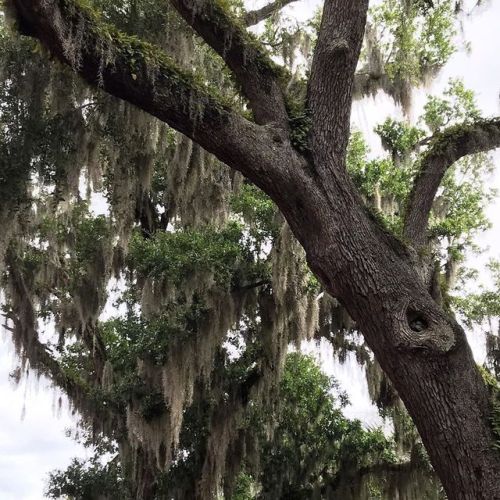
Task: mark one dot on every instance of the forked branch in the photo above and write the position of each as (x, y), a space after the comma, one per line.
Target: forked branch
(445, 148)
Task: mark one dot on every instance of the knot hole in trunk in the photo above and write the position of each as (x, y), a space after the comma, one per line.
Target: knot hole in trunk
(416, 320)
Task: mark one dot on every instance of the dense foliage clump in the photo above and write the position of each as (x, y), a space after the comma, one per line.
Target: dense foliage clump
(170, 290)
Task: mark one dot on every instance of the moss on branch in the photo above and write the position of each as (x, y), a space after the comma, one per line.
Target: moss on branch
(138, 52)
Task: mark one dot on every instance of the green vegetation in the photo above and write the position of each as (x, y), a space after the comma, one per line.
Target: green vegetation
(176, 288)
(312, 444)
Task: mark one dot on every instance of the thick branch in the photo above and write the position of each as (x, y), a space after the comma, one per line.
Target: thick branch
(256, 16)
(444, 150)
(332, 73)
(254, 70)
(143, 75)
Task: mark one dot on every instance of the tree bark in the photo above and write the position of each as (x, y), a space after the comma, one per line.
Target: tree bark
(422, 350)
(251, 66)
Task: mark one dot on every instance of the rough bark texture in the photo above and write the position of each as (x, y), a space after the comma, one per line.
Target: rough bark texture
(422, 350)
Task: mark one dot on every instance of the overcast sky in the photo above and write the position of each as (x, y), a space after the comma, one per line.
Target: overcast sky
(32, 446)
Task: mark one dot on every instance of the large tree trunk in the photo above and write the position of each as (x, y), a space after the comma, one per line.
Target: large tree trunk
(422, 350)
(376, 277)
(449, 404)
(442, 390)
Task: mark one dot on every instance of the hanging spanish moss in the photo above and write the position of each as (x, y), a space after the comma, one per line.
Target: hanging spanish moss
(189, 376)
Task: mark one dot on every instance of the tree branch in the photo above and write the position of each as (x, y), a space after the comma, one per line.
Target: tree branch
(26, 339)
(445, 148)
(256, 16)
(243, 54)
(332, 73)
(145, 76)
(44, 363)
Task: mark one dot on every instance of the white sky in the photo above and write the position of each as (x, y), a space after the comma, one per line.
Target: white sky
(32, 446)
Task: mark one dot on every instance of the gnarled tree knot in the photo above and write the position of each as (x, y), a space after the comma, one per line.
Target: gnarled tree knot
(424, 331)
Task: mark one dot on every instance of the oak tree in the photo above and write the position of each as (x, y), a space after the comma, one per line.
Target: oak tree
(289, 136)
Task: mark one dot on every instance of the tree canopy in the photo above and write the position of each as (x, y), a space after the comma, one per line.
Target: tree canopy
(183, 200)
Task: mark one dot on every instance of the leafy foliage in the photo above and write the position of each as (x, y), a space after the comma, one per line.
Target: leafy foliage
(457, 105)
(419, 37)
(398, 137)
(313, 443)
(85, 480)
(191, 374)
(133, 337)
(258, 211)
(177, 255)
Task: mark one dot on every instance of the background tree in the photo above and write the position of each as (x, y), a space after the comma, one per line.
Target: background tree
(200, 252)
